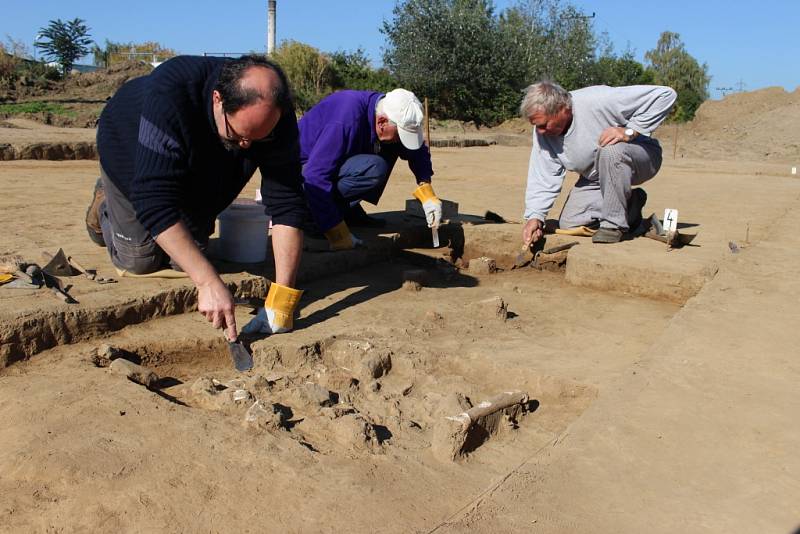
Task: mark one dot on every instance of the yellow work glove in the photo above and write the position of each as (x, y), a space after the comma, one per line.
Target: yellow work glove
(340, 238)
(430, 204)
(277, 315)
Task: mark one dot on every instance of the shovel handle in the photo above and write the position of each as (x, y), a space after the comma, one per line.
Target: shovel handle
(559, 248)
(77, 266)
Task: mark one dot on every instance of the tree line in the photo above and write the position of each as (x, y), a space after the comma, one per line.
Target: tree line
(470, 61)
(473, 64)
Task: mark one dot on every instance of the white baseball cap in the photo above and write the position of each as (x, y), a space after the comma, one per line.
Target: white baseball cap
(404, 109)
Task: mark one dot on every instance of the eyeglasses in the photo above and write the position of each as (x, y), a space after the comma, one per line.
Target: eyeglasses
(242, 141)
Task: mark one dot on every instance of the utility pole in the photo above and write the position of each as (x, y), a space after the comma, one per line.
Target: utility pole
(741, 85)
(271, 26)
(724, 90)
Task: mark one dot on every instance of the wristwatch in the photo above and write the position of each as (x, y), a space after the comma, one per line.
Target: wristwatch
(630, 133)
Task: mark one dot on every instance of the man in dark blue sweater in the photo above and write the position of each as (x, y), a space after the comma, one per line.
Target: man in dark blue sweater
(176, 148)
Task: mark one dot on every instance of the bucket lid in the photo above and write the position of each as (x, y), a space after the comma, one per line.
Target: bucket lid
(245, 208)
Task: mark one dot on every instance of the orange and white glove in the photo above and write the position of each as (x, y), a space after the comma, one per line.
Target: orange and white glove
(340, 238)
(277, 315)
(430, 204)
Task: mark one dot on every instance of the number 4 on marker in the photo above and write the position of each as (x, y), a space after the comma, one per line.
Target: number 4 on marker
(670, 220)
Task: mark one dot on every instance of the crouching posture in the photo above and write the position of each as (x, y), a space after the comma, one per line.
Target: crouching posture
(602, 133)
(176, 148)
(349, 144)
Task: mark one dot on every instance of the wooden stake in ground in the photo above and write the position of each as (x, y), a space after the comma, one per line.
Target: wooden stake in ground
(675, 145)
(427, 124)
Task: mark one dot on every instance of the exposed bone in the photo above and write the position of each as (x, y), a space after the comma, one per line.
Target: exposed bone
(137, 373)
(458, 434)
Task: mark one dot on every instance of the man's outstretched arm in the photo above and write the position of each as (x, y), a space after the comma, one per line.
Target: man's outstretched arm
(214, 300)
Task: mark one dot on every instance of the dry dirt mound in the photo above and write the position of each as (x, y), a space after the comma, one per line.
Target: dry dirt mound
(102, 84)
(759, 125)
(81, 97)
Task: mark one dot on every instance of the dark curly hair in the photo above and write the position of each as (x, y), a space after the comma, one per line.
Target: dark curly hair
(235, 97)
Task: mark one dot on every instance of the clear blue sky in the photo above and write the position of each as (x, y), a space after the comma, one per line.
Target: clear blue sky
(755, 43)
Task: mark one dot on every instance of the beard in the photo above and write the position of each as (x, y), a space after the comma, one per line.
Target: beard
(230, 146)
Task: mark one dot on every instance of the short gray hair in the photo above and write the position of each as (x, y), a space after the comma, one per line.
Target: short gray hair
(379, 108)
(545, 96)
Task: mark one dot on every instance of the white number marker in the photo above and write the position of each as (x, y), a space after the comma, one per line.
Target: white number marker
(670, 220)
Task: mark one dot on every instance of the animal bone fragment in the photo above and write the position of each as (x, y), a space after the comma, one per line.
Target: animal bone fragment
(457, 435)
(136, 373)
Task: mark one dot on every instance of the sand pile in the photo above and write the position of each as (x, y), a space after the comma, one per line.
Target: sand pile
(759, 125)
(103, 83)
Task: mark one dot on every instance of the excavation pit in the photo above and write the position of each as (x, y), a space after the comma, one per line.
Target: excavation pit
(351, 394)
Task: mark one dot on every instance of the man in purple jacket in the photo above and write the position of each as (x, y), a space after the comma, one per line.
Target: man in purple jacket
(349, 143)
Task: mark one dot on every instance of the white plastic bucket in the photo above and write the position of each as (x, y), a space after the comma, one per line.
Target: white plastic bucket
(243, 232)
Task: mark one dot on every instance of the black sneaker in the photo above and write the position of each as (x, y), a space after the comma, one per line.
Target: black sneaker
(356, 216)
(635, 204)
(93, 214)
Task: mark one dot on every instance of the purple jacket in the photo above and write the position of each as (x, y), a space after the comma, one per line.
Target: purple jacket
(340, 126)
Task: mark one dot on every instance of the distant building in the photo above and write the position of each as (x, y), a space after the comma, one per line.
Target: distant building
(84, 68)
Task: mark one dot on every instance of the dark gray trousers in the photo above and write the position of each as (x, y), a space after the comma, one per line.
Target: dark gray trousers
(603, 197)
(129, 244)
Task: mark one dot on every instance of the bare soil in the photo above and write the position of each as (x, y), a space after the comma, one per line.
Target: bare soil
(646, 412)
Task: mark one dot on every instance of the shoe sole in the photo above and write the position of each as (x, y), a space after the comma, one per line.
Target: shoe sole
(95, 234)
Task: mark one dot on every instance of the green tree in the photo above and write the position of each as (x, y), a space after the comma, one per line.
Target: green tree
(450, 51)
(64, 42)
(474, 64)
(555, 40)
(17, 68)
(353, 70)
(113, 52)
(673, 66)
(621, 71)
(309, 72)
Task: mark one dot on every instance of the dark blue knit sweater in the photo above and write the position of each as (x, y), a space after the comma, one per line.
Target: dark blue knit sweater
(158, 143)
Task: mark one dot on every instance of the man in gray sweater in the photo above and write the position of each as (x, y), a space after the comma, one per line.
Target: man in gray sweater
(602, 133)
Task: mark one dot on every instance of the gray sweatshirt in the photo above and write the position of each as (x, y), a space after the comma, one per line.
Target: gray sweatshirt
(639, 107)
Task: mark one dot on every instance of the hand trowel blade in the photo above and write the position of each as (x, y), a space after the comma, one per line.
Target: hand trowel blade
(242, 359)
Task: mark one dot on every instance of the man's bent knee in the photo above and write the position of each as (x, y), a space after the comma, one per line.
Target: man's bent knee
(141, 258)
(611, 154)
(364, 165)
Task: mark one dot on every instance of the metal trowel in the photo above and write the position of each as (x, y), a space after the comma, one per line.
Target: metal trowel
(435, 236)
(524, 257)
(242, 359)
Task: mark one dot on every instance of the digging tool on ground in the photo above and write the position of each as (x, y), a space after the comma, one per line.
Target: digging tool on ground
(540, 257)
(57, 264)
(672, 239)
(57, 288)
(91, 274)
